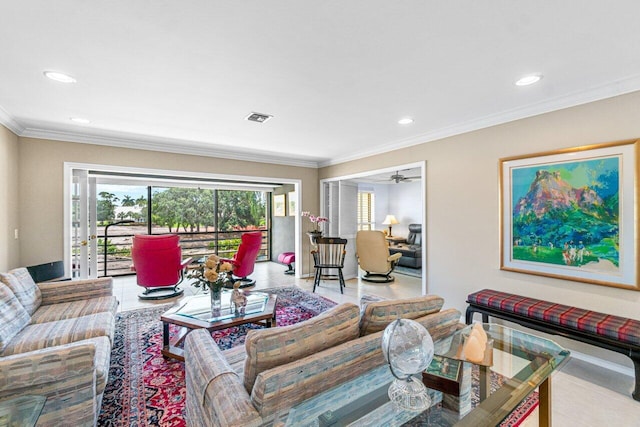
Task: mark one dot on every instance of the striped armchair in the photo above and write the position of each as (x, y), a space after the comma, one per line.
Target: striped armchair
(55, 341)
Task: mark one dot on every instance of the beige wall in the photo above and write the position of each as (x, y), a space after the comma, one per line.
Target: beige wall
(462, 233)
(9, 246)
(41, 184)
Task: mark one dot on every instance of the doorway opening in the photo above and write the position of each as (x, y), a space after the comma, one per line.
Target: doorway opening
(369, 200)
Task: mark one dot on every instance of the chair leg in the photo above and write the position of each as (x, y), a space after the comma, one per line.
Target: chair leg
(316, 278)
(341, 278)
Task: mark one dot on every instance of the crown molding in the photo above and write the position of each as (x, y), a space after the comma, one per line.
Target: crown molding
(7, 121)
(597, 93)
(164, 145)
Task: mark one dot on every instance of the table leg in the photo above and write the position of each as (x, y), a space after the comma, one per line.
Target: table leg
(169, 349)
(544, 403)
(165, 335)
(269, 322)
(485, 382)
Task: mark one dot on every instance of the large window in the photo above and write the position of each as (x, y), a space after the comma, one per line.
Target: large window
(208, 220)
(366, 209)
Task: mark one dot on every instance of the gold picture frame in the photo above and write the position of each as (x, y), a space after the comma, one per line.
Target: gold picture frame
(570, 214)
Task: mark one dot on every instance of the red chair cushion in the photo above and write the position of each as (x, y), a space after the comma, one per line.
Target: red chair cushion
(287, 257)
(157, 259)
(245, 259)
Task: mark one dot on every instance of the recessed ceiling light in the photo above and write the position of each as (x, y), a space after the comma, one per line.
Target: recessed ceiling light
(528, 80)
(80, 120)
(405, 121)
(59, 77)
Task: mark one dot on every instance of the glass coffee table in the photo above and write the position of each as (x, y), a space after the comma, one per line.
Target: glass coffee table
(523, 361)
(21, 411)
(195, 313)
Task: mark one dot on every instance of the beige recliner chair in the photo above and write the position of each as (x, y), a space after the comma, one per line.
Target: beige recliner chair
(373, 255)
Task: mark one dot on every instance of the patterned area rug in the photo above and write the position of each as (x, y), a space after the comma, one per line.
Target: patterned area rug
(516, 418)
(528, 405)
(144, 389)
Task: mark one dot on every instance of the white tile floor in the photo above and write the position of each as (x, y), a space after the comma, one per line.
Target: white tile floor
(583, 394)
(271, 275)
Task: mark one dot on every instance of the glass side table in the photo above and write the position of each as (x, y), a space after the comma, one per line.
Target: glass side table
(395, 241)
(21, 411)
(525, 361)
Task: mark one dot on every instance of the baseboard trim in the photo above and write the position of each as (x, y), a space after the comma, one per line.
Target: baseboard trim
(605, 364)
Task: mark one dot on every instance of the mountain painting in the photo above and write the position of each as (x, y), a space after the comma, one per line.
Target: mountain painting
(567, 214)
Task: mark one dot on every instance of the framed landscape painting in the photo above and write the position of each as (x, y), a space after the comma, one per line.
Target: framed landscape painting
(293, 211)
(279, 205)
(570, 214)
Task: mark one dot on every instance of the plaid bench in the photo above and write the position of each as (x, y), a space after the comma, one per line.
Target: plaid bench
(607, 331)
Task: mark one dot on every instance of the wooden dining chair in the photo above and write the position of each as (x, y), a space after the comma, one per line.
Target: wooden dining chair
(329, 255)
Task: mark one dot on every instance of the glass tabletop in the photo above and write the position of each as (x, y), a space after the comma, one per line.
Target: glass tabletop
(21, 410)
(199, 307)
(522, 362)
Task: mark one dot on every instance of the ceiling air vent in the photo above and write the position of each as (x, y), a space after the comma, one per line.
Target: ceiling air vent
(258, 117)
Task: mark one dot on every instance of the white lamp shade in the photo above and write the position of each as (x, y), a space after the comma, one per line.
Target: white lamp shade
(390, 220)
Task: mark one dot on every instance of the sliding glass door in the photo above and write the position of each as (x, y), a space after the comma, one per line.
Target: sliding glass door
(83, 226)
(108, 211)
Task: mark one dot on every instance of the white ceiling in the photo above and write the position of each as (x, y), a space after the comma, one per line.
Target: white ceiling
(180, 76)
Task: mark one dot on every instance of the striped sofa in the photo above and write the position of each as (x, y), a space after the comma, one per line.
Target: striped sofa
(258, 383)
(55, 341)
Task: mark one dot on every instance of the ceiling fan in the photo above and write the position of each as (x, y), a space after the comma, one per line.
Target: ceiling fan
(401, 178)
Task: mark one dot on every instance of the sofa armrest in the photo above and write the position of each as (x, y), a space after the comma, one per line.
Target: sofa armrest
(22, 372)
(74, 290)
(65, 375)
(215, 393)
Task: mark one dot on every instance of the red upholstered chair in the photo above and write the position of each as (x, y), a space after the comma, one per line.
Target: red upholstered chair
(244, 260)
(158, 263)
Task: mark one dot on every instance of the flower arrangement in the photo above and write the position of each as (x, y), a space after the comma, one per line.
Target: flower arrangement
(315, 221)
(212, 274)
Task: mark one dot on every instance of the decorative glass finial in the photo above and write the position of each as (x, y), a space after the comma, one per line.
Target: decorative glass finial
(408, 348)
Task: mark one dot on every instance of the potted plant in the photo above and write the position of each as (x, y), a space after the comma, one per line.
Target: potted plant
(315, 232)
(213, 274)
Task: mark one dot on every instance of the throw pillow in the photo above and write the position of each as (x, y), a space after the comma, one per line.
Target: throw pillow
(268, 348)
(377, 315)
(13, 316)
(24, 288)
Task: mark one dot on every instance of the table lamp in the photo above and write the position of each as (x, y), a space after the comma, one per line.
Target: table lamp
(390, 220)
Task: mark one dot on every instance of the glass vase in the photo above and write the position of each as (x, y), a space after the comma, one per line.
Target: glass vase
(313, 236)
(216, 299)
